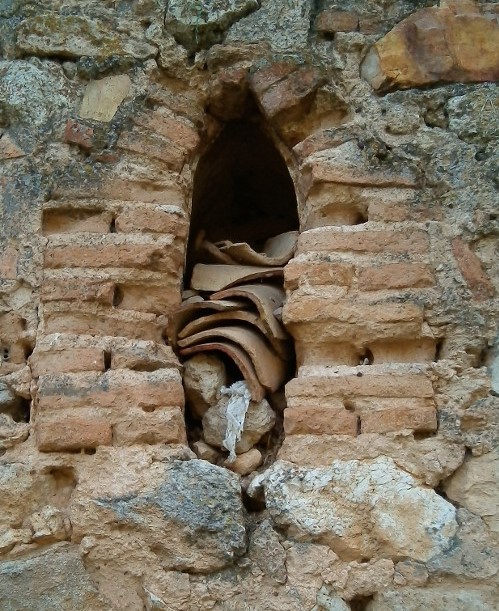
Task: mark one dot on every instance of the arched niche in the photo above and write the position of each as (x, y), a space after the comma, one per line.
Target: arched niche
(242, 190)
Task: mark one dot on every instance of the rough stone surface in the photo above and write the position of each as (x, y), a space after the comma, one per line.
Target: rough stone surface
(260, 418)
(204, 376)
(53, 579)
(359, 508)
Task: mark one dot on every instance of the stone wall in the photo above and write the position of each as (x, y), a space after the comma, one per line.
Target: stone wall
(384, 492)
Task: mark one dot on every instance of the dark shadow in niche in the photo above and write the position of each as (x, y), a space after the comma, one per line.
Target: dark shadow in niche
(242, 190)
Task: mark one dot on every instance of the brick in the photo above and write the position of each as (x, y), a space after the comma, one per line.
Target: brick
(72, 221)
(319, 421)
(319, 319)
(155, 147)
(332, 352)
(54, 435)
(178, 132)
(228, 93)
(419, 350)
(328, 390)
(470, 267)
(8, 263)
(263, 79)
(363, 241)
(151, 220)
(146, 298)
(316, 273)
(421, 420)
(112, 322)
(116, 390)
(69, 360)
(379, 210)
(292, 92)
(144, 356)
(336, 21)
(395, 275)
(163, 425)
(77, 290)
(78, 133)
(139, 256)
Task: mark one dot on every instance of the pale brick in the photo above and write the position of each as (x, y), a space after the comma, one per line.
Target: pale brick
(319, 420)
(368, 241)
(64, 361)
(422, 419)
(151, 220)
(395, 275)
(54, 435)
(138, 256)
(163, 425)
(179, 132)
(155, 147)
(316, 273)
(72, 221)
(77, 290)
(116, 390)
(145, 298)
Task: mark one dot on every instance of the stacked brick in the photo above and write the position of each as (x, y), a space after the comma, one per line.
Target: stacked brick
(355, 292)
(113, 264)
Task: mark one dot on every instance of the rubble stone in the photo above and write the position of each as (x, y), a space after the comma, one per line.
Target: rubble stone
(204, 375)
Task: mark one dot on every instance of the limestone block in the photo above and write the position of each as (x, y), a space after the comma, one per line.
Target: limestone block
(49, 524)
(434, 45)
(204, 376)
(54, 435)
(260, 419)
(475, 485)
(246, 463)
(103, 97)
(359, 508)
(195, 504)
(55, 578)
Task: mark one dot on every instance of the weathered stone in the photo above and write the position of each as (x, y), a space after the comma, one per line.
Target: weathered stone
(199, 26)
(336, 21)
(434, 597)
(11, 432)
(359, 508)
(206, 452)
(52, 579)
(49, 524)
(266, 550)
(197, 504)
(204, 376)
(246, 463)
(472, 270)
(103, 97)
(475, 486)
(74, 36)
(13, 536)
(260, 419)
(435, 44)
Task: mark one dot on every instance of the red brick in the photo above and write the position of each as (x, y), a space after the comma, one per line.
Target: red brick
(69, 360)
(139, 256)
(154, 147)
(179, 132)
(72, 221)
(163, 425)
(423, 420)
(116, 390)
(77, 290)
(79, 133)
(151, 220)
(316, 273)
(337, 21)
(470, 267)
(394, 276)
(319, 421)
(8, 263)
(368, 241)
(146, 298)
(54, 435)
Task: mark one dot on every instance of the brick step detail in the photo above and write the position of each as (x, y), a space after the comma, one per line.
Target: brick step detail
(142, 297)
(404, 350)
(114, 390)
(364, 240)
(67, 431)
(180, 132)
(164, 255)
(93, 319)
(64, 353)
(122, 218)
(385, 276)
(316, 319)
(152, 146)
